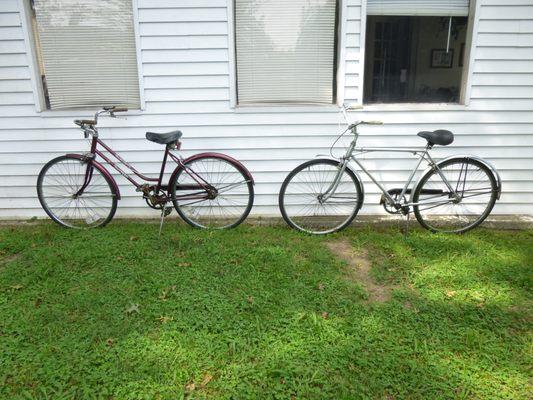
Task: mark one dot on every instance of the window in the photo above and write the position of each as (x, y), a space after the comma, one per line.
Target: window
(415, 51)
(85, 51)
(285, 51)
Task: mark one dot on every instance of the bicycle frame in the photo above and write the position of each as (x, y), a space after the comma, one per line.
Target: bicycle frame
(421, 152)
(202, 185)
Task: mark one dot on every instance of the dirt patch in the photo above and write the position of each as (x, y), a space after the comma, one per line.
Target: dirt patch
(358, 270)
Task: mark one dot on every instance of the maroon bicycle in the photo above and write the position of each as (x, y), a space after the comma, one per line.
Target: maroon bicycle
(208, 190)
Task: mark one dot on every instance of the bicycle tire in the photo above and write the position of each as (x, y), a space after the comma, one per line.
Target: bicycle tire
(219, 221)
(436, 220)
(83, 209)
(320, 220)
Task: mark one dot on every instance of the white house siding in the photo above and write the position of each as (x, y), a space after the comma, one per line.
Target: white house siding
(185, 63)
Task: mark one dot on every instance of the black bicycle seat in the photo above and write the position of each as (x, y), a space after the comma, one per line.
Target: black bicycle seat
(163, 138)
(440, 136)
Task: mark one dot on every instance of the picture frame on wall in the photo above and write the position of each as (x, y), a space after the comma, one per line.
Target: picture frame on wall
(440, 58)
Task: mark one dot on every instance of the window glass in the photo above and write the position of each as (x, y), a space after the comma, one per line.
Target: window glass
(285, 51)
(86, 52)
(414, 58)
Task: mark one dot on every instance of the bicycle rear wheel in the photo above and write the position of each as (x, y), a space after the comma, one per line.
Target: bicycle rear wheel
(230, 200)
(301, 203)
(59, 190)
(439, 211)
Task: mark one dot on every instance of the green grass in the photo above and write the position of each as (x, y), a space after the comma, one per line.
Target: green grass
(118, 313)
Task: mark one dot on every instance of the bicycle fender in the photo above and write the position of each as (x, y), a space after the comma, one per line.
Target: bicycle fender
(348, 166)
(100, 168)
(467, 156)
(218, 155)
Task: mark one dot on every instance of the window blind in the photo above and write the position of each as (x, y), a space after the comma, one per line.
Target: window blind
(418, 7)
(285, 51)
(88, 51)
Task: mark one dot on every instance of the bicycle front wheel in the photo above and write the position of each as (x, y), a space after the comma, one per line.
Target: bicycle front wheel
(305, 205)
(439, 210)
(76, 194)
(225, 204)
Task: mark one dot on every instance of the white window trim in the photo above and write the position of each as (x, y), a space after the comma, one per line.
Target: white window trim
(341, 51)
(466, 83)
(137, 32)
(362, 53)
(470, 51)
(274, 107)
(29, 43)
(37, 87)
(232, 65)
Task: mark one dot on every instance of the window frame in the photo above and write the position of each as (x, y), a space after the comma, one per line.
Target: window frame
(466, 76)
(38, 93)
(339, 73)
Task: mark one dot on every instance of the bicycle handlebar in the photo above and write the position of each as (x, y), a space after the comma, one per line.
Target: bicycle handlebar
(111, 110)
(114, 109)
(352, 107)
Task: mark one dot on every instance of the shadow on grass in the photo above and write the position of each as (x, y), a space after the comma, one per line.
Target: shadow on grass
(258, 312)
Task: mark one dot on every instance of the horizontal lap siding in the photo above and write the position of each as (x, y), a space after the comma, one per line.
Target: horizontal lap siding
(16, 94)
(503, 74)
(187, 85)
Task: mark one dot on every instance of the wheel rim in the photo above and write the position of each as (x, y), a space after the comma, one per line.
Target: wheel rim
(59, 185)
(231, 194)
(305, 206)
(476, 187)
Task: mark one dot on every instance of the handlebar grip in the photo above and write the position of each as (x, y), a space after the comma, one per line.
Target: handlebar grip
(120, 109)
(373, 122)
(354, 107)
(85, 122)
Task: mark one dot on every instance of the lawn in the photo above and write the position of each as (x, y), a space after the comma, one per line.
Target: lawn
(264, 312)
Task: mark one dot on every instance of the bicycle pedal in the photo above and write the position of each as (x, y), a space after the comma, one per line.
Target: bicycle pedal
(166, 211)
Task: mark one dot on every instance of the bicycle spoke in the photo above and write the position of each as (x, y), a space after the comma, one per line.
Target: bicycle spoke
(473, 198)
(229, 200)
(59, 185)
(306, 203)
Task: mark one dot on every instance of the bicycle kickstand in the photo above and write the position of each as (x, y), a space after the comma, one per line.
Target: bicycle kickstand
(406, 226)
(164, 213)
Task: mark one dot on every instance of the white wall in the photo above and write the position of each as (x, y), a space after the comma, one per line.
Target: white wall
(186, 78)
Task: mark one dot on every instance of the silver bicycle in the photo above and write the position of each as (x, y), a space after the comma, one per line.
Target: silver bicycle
(455, 194)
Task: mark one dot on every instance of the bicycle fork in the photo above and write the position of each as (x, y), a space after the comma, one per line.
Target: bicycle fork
(87, 178)
(323, 197)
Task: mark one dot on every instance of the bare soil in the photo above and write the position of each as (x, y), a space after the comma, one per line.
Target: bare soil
(358, 270)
